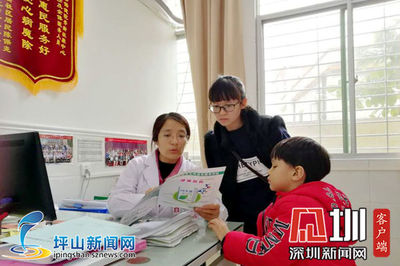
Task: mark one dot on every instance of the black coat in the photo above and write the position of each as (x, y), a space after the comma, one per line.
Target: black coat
(264, 132)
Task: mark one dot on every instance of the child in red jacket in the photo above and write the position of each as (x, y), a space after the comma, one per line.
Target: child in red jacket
(298, 165)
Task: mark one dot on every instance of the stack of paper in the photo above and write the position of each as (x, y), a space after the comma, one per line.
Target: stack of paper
(186, 190)
(144, 206)
(99, 206)
(167, 232)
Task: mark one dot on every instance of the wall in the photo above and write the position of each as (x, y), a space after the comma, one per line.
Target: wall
(368, 182)
(127, 77)
(373, 184)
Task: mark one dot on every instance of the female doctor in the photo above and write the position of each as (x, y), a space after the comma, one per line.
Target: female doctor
(171, 132)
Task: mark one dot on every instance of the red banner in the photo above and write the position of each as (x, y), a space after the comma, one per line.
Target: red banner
(38, 42)
(381, 232)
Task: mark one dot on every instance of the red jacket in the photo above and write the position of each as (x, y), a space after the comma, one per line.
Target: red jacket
(271, 246)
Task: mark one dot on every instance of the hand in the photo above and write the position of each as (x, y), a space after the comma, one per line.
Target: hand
(208, 211)
(149, 190)
(219, 227)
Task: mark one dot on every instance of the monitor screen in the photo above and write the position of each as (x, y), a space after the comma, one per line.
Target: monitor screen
(24, 184)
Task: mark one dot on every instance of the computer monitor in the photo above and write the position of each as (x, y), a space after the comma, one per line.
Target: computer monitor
(24, 184)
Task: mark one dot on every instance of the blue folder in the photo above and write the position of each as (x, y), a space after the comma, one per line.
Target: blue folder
(98, 210)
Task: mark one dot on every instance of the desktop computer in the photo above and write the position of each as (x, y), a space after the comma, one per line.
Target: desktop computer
(24, 184)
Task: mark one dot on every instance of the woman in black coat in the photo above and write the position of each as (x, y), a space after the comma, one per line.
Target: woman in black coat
(241, 129)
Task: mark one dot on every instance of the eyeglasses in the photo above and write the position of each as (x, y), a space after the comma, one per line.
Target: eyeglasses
(227, 107)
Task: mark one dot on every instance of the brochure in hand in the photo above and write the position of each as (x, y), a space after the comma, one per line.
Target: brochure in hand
(192, 188)
(188, 189)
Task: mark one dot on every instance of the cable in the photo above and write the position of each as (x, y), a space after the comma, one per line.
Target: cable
(87, 177)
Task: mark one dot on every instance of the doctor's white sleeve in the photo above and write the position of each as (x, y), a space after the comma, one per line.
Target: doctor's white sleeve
(124, 196)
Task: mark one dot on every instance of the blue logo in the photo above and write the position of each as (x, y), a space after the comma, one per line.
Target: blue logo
(28, 252)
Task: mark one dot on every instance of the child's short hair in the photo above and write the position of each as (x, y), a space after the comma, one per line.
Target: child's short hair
(305, 152)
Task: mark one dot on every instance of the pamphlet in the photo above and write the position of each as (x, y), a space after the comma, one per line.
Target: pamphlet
(191, 188)
(188, 189)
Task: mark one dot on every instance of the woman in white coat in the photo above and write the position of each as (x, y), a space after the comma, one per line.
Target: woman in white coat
(171, 132)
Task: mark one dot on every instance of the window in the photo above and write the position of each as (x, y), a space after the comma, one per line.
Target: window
(377, 65)
(185, 98)
(274, 6)
(305, 73)
(175, 7)
(185, 94)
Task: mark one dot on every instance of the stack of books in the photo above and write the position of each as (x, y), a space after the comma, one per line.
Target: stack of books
(166, 232)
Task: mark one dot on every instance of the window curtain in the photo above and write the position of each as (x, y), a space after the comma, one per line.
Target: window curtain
(214, 35)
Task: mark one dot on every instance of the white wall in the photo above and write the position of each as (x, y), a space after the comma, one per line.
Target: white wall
(373, 184)
(127, 76)
(368, 182)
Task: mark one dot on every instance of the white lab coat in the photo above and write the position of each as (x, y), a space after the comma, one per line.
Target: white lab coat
(141, 174)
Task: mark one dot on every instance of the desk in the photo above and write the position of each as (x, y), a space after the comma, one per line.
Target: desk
(193, 250)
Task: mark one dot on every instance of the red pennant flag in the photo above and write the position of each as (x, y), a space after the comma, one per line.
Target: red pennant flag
(38, 42)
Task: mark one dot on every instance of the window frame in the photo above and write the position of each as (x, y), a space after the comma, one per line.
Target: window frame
(195, 138)
(348, 105)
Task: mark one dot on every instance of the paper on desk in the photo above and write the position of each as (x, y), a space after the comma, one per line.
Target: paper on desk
(181, 232)
(144, 206)
(173, 226)
(162, 225)
(174, 238)
(167, 232)
(192, 188)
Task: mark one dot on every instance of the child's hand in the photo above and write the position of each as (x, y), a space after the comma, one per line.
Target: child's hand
(208, 211)
(219, 227)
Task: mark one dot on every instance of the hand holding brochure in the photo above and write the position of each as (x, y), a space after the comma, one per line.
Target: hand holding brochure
(192, 188)
(188, 189)
(144, 206)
